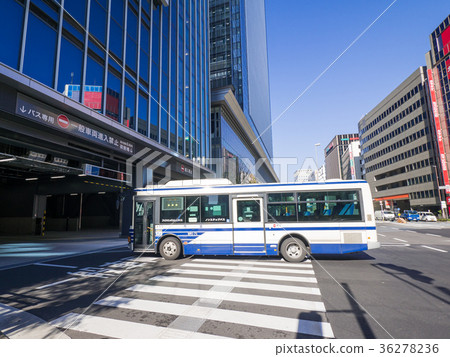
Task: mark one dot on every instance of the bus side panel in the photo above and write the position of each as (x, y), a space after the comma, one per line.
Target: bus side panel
(201, 241)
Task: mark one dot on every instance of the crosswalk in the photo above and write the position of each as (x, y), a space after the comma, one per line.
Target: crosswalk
(211, 298)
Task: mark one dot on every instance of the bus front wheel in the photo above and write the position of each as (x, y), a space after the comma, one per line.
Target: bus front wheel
(293, 250)
(170, 248)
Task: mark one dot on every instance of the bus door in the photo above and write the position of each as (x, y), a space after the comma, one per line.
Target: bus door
(144, 224)
(248, 226)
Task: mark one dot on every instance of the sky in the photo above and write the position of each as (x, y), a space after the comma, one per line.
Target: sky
(305, 36)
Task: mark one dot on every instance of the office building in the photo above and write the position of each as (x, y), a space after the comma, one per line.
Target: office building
(87, 86)
(238, 56)
(352, 161)
(438, 71)
(398, 150)
(334, 154)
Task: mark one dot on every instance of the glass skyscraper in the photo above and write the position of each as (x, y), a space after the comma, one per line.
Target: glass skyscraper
(90, 88)
(238, 56)
(139, 63)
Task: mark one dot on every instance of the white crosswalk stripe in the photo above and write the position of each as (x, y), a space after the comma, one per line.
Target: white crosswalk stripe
(119, 329)
(243, 275)
(272, 295)
(238, 284)
(246, 318)
(219, 295)
(254, 268)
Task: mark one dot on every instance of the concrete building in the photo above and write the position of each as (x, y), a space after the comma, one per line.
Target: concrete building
(238, 56)
(85, 87)
(397, 147)
(352, 162)
(438, 71)
(305, 175)
(334, 153)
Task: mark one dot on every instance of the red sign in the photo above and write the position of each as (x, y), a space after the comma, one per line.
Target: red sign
(447, 66)
(93, 100)
(63, 121)
(445, 37)
(438, 129)
(448, 201)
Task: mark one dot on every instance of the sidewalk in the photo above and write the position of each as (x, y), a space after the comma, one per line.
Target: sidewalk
(23, 250)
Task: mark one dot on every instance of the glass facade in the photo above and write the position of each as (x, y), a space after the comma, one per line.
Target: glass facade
(237, 162)
(141, 64)
(238, 56)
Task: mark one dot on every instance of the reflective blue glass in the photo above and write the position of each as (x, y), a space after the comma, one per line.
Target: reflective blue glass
(143, 114)
(40, 51)
(11, 22)
(70, 65)
(97, 22)
(77, 9)
(116, 36)
(132, 28)
(154, 116)
(129, 104)
(113, 93)
(94, 77)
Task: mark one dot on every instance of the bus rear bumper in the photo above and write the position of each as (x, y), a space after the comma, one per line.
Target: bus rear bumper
(373, 245)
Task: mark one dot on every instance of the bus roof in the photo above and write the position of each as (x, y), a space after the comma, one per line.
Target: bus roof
(214, 186)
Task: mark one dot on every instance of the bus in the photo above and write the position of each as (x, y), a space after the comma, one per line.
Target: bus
(216, 217)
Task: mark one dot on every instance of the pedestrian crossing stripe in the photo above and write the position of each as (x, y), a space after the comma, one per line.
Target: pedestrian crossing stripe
(315, 328)
(121, 329)
(235, 297)
(211, 284)
(297, 279)
(237, 284)
(253, 268)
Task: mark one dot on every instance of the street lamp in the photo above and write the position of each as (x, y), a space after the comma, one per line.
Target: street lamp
(315, 147)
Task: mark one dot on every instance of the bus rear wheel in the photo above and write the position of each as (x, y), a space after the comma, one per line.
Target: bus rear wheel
(293, 250)
(170, 248)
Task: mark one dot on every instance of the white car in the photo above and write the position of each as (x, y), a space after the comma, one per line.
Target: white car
(427, 217)
(385, 215)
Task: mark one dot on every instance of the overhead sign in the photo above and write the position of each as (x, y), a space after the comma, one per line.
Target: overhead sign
(31, 109)
(92, 170)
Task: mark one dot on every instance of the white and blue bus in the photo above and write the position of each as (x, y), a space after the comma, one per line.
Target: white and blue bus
(216, 217)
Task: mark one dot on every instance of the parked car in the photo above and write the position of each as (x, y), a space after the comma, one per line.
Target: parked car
(427, 217)
(410, 215)
(385, 215)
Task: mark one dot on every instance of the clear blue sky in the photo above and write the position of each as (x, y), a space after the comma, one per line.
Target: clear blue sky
(306, 36)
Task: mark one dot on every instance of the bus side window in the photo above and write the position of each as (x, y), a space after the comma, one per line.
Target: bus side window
(193, 209)
(215, 208)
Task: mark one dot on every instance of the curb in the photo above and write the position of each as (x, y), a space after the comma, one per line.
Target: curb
(15, 323)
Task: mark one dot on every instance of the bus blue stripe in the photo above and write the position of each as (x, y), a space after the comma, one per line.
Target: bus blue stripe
(287, 229)
(250, 186)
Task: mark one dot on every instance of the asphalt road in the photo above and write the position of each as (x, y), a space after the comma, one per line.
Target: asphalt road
(398, 291)
(401, 290)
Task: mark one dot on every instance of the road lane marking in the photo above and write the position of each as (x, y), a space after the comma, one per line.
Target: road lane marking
(120, 329)
(56, 265)
(228, 296)
(395, 245)
(53, 284)
(401, 240)
(381, 235)
(237, 284)
(315, 328)
(439, 250)
(243, 275)
(433, 235)
(274, 270)
(145, 259)
(410, 231)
